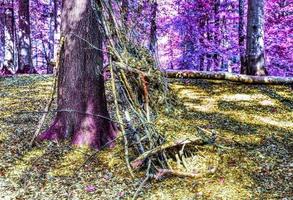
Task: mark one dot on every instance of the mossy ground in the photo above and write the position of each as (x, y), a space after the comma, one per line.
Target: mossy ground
(253, 155)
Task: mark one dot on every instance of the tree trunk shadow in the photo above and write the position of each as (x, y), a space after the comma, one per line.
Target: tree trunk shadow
(272, 94)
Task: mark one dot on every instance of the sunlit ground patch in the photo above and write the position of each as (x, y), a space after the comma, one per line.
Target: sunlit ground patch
(241, 115)
(70, 162)
(284, 124)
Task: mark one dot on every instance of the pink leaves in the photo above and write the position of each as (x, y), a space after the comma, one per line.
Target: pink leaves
(136, 164)
(222, 180)
(121, 194)
(90, 188)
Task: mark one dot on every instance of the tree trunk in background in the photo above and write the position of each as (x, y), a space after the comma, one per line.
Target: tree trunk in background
(2, 36)
(209, 38)
(55, 13)
(24, 46)
(224, 41)
(125, 11)
(10, 59)
(241, 38)
(52, 30)
(216, 55)
(255, 50)
(153, 31)
(83, 114)
(201, 42)
(201, 62)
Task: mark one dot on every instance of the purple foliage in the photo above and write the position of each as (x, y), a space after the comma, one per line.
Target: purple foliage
(199, 34)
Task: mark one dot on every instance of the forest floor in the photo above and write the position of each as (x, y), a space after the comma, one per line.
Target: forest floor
(253, 154)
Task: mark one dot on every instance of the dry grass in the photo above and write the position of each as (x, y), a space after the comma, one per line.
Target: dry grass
(253, 156)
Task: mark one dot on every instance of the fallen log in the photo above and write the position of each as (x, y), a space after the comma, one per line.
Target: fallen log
(190, 74)
(139, 160)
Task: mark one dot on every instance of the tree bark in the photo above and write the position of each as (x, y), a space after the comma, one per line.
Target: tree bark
(24, 47)
(82, 108)
(255, 49)
(241, 38)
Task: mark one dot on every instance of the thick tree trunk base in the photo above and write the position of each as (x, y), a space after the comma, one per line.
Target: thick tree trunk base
(90, 131)
(56, 132)
(189, 74)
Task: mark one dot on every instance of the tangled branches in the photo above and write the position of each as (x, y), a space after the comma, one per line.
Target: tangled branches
(139, 88)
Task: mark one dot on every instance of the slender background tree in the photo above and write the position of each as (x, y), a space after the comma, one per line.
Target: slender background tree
(241, 35)
(255, 45)
(24, 38)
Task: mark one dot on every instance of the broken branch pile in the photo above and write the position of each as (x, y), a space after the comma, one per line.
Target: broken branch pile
(139, 88)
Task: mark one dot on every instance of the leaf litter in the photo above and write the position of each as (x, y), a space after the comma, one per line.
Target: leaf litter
(252, 157)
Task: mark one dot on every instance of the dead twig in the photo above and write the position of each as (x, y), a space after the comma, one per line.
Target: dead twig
(139, 161)
(143, 182)
(168, 172)
(119, 118)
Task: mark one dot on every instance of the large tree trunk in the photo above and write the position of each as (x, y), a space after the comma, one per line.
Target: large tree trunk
(24, 47)
(241, 38)
(82, 109)
(255, 50)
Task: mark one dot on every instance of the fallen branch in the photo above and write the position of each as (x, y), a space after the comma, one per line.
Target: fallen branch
(45, 113)
(168, 172)
(139, 161)
(190, 74)
(131, 69)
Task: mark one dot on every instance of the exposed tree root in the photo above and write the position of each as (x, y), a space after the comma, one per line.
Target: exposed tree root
(190, 74)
